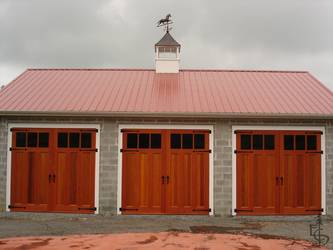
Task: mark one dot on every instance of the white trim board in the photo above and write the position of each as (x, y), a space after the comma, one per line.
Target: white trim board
(53, 125)
(168, 126)
(295, 128)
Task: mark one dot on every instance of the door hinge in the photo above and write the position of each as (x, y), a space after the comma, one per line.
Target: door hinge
(315, 210)
(315, 152)
(128, 209)
(12, 206)
(20, 149)
(202, 210)
(88, 208)
(242, 210)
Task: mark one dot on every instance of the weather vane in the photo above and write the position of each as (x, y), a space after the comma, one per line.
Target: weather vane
(165, 22)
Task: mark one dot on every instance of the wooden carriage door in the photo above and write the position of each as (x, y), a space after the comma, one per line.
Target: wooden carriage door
(257, 169)
(187, 172)
(73, 175)
(142, 174)
(31, 161)
(301, 172)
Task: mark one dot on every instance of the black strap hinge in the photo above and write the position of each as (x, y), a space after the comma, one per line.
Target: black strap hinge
(13, 206)
(128, 209)
(88, 208)
(202, 210)
(242, 210)
(315, 210)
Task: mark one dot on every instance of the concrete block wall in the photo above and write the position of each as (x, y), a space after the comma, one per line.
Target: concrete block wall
(329, 167)
(108, 180)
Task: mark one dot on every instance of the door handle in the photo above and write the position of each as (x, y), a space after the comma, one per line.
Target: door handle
(162, 179)
(277, 180)
(281, 180)
(50, 176)
(167, 179)
(53, 177)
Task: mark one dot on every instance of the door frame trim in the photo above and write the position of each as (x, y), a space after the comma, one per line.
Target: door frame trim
(279, 128)
(167, 126)
(52, 125)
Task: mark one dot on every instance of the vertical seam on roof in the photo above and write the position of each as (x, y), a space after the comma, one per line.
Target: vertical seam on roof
(299, 102)
(106, 84)
(27, 94)
(100, 91)
(222, 97)
(128, 96)
(203, 86)
(116, 94)
(267, 95)
(209, 91)
(321, 97)
(236, 97)
(280, 88)
(42, 93)
(115, 78)
(11, 87)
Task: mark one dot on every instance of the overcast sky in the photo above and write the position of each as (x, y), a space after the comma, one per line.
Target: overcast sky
(223, 34)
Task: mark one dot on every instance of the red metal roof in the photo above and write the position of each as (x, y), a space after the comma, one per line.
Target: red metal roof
(190, 92)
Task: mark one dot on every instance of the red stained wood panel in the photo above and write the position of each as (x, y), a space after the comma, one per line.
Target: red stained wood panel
(165, 180)
(281, 180)
(50, 178)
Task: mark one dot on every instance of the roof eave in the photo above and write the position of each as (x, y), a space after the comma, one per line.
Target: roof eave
(168, 115)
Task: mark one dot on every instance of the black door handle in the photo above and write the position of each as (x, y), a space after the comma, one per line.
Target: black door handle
(162, 179)
(167, 179)
(281, 180)
(54, 178)
(50, 176)
(277, 181)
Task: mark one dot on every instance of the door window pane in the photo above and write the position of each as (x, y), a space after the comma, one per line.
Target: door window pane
(43, 140)
(32, 139)
(20, 139)
(187, 141)
(132, 140)
(288, 142)
(269, 142)
(74, 140)
(143, 140)
(311, 142)
(300, 142)
(199, 141)
(175, 141)
(86, 140)
(257, 142)
(156, 140)
(245, 141)
(62, 140)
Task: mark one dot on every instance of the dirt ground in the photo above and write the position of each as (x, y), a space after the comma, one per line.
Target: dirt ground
(51, 231)
(166, 240)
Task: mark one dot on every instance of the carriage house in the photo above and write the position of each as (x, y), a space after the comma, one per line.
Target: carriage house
(166, 141)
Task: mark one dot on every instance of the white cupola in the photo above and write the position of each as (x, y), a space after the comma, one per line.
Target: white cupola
(167, 55)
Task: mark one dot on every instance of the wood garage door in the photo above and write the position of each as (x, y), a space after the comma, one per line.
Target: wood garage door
(278, 172)
(165, 172)
(53, 170)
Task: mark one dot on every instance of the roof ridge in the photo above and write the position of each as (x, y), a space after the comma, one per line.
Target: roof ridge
(181, 70)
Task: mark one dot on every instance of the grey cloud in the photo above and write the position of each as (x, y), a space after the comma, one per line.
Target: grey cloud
(256, 34)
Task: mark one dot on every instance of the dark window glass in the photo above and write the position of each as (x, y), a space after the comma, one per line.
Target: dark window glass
(175, 141)
(155, 140)
(62, 140)
(199, 141)
(269, 142)
(132, 140)
(74, 140)
(86, 140)
(300, 142)
(187, 141)
(143, 140)
(257, 142)
(43, 140)
(311, 142)
(245, 141)
(32, 139)
(21, 139)
(288, 142)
